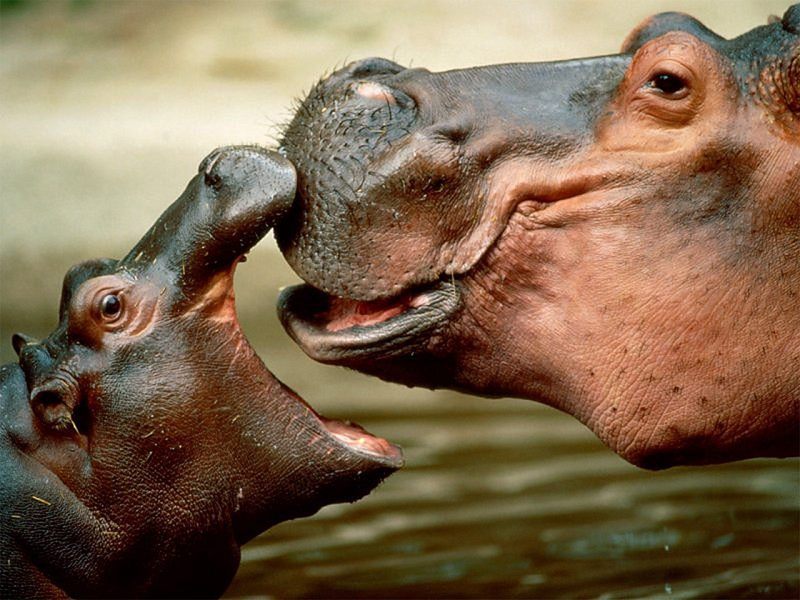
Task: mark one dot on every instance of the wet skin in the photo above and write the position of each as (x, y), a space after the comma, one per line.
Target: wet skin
(618, 237)
(143, 442)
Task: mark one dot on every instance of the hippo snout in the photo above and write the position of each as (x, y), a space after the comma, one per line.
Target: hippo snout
(239, 193)
(266, 177)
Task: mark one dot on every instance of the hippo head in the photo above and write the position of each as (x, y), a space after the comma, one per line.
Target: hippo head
(618, 237)
(153, 441)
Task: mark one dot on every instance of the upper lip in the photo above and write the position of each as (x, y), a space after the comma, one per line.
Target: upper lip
(392, 336)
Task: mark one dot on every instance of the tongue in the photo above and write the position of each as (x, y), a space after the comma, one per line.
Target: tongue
(360, 440)
(343, 313)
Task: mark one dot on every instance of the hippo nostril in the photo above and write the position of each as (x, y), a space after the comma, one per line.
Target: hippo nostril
(239, 169)
(210, 177)
(212, 180)
(372, 66)
(371, 90)
(375, 91)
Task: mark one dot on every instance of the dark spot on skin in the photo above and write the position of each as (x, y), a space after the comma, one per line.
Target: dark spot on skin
(676, 390)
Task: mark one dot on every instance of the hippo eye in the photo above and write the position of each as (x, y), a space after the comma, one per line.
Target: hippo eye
(668, 84)
(110, 306)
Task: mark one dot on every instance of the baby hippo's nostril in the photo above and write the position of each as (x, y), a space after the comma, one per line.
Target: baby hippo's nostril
(211, 178)
(372, 66)
(245, 170)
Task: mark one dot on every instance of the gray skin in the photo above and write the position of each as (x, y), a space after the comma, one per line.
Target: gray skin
(617, 237)
(143, 441)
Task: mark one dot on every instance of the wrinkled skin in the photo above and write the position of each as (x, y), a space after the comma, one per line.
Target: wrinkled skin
(143, 442)
(618, 237)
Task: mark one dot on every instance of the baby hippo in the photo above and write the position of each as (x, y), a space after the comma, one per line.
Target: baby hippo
(143, 442)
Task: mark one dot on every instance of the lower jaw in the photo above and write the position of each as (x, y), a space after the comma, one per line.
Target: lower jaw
(318, 323)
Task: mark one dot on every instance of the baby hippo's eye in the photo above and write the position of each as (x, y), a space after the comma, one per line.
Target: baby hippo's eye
(110, 306)
(667, 83)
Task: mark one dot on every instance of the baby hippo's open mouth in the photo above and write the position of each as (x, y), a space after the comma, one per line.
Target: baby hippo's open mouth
(334, 329)
(360, 440)
(367, 450)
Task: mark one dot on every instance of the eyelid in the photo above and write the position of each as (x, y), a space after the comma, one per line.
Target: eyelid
(85, 323)
(670, 66)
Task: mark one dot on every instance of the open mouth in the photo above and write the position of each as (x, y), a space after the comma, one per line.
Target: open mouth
(351, 436)
(332, 329)
(359, 440)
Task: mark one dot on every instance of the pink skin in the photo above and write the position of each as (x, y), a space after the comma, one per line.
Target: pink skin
(617, 237)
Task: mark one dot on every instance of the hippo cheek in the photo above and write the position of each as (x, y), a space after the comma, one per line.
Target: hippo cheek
(275, 458)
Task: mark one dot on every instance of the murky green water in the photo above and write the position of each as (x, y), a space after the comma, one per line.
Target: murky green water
(508, 499)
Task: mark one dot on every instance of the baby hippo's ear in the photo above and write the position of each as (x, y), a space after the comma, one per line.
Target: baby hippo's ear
(239, 193)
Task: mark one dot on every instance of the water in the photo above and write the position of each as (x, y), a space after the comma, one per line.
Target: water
(510, 499)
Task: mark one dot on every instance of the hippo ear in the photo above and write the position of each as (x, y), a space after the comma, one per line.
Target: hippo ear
(791, 19)
(791, 23)
(237, 196)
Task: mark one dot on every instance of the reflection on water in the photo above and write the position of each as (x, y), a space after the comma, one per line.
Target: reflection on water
(511, 499)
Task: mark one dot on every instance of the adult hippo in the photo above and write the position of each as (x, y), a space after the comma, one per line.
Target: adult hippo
(144, 441)
(617, 237)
